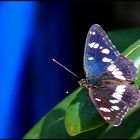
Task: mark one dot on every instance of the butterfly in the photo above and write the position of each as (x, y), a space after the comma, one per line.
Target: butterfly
(110, 77)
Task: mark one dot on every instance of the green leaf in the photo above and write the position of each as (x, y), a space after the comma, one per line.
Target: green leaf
(76, 116)
(123, 38)
(52, 125)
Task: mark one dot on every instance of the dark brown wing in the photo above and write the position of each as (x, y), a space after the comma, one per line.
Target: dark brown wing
(113, 101)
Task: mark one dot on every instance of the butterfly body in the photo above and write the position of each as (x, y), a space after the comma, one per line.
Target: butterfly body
(110, 77)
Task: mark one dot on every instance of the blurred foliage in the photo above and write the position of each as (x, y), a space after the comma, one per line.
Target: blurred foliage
(123, 38)
(76, 116)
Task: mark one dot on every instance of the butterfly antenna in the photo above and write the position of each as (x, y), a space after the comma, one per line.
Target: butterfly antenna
(65, 68)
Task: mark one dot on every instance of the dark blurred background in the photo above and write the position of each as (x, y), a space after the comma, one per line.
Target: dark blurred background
(31, 34)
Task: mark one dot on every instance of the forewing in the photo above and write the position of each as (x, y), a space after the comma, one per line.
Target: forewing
(99, 52)
(114, 101)
(122, 69)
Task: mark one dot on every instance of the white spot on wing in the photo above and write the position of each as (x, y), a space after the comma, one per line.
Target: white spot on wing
(91, 44)
(115, 125)
(116, 72)
(120, 88)
(106, 51)
(111, 67)
(114, 101)
(92, 33)
(120, 77)
(105, 59)
(119, 92)
(101, 47)
(97, 99)
(90, 58)
(125, 107)
(104, 109)
(109, 40)
(117, 95)
(115, 107)
(114, 47)
(111, 109)
(96, 45)
(107, 118)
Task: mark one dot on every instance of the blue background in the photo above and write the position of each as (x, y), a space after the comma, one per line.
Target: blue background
(31, 34)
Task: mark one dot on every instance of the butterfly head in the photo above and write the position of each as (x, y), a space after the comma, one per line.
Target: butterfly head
(83, 82)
